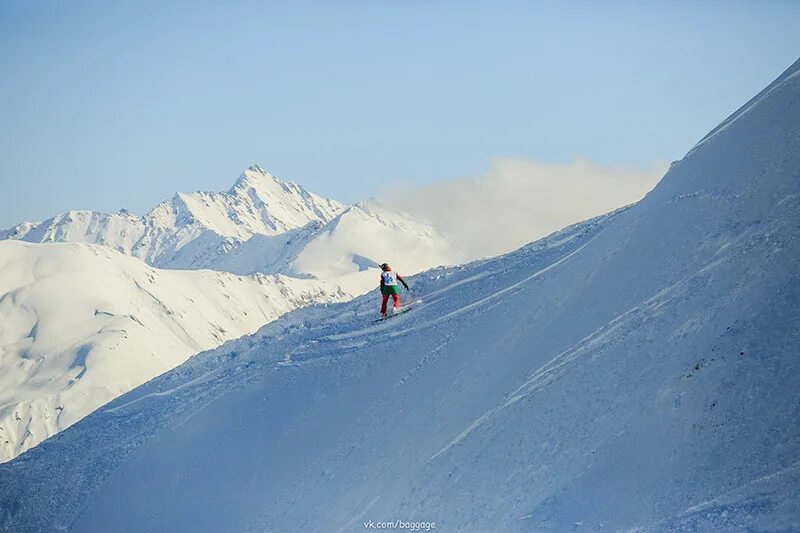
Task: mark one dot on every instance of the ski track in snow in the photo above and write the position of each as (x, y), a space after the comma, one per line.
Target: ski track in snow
(429, 300)
(360, 336)
(721, 499)
(494, 296)
(349, 525)
(202, 378)
(558, 365)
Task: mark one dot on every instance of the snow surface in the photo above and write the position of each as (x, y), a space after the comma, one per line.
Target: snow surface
(81, 324)
(261, 226)
(635, 372)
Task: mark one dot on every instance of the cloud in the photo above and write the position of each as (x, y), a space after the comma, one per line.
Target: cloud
(517, 201)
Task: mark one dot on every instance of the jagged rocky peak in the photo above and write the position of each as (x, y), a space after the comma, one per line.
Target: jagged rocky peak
(284, 198)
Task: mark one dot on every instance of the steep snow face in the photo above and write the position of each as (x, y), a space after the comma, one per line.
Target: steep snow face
(82, 324)
(193, 229)
(635, 372)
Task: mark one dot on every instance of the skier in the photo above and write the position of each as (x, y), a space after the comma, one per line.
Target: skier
(389, 279)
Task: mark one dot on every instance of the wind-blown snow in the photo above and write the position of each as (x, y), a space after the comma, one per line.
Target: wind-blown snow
(635, 372)
(81, 324)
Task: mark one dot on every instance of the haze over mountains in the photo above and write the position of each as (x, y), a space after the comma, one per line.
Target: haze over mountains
(634, 372)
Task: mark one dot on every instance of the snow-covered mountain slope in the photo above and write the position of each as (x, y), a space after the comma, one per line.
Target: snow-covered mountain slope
(347, 250)
(262, 225)
(638, 372)
(81, 324)
(18, 231)
(192, 229)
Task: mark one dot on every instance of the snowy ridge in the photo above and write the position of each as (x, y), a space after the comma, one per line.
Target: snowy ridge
(192, 229)
(786, 77)
(82, 324)
(636, 372)
(346, 250)
(18, 231)
(261, 224)
(350, 247)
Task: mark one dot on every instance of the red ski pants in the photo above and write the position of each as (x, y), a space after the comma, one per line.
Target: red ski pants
(395, 297)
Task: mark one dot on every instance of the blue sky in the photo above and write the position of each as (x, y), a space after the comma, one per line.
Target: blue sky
(120, 104)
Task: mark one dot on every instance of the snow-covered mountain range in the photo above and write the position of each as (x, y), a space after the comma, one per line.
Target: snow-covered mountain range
(81, 324)
(636, 372)
(262, 224)
(346, 250)
(192, 229)
(85, 323)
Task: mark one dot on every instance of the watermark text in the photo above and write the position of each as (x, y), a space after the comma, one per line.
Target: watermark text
(406, 525)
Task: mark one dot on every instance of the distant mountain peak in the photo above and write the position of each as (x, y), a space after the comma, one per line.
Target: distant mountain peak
(255, 175)
(189, 230)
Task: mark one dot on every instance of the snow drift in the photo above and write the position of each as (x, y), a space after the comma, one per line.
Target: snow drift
(638, 371)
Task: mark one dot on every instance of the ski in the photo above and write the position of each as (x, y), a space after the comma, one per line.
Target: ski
(390, 315)
(406, 308)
